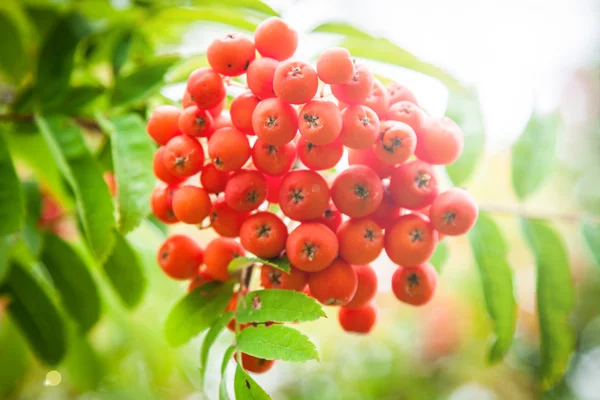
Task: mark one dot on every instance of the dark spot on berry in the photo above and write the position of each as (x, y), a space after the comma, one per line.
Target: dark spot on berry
(370, 235)
(416, 235)
(263, 231)
(361, 191)
(246, 64)
(297, 195)
(310, 250)
(422, 179)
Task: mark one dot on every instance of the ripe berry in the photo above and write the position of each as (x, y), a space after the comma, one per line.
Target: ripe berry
(180, 256)
(229, 149)
(358, 89)
(454, 212)
(357, 191)
(295, 82)
(226, 221)
(197, 122)
(320, 121)
(160, 170)
(191, 204)
(335, 285)
(264, 234)
(161, 203)
(222, 120)
(440, 141)
(414, 285)
(206, 88)
(319, 157)
(256, 365)
(311, 247)
(198, 280)
(360, 241)
(360, 127)
(273, 278)
(218, 254)
(241, 110)
(163, 124)
(367, 286)
(276, 39)
(214, 111)
(398, 93)
(413, 185)
(275, 121)
(303, 195)
(332, 217)
(273, 160)
(231, 55)
(232, 306)
(246, 190)
(335, 66)
(378, 100)
(213, 180)
(260, 77)
(388, 210)
(396, 142)
(183, 156)
(273, 184)
(407, 112)
(358, 320)
(368, 158)
(410, 240)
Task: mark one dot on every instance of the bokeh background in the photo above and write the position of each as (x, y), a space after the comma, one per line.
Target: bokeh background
(518, 58)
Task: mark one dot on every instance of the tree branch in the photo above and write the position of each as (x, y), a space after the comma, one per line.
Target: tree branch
(86, 123)
(517, 210)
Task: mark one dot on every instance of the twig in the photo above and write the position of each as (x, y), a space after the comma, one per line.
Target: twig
(86, 123)
(512, 210)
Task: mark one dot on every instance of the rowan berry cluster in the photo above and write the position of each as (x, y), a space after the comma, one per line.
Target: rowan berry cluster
(276, 145)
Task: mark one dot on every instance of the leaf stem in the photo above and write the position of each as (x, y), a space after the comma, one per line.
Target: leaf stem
(518, 210)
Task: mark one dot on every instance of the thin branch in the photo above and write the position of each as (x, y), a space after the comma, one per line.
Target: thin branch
(86, 123)
(513, 210)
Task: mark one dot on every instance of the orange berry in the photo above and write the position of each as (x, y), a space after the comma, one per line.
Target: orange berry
(360, 127)
(378, 100)
(256, 365)
(276, 39)
(260, 77)
(191, 204)
(358, 89)
(264, 234)
(388, 210)
(160, 170)
(222, 120)
(161, 203)
(320, 121)
(273, 183)
(407, 112)
(183, 156)
(241, 110)
(358, 320)
(311, 247)
(441, 141)
(218, 255)
(273, 278)
(396, 142)
(319, 157)
(335, 285)
(335, 66)
(413, 185)
(410, 240)
(273, 160)
(213, 180)
(197, 122)
(357, 191)
(368, 158)
(226, 221)
(163, 124)
(295, 82)
(454, 212)
(367, 286)
(231, 55)
(415, 285)
(303, 195)
(360, 240)
(229, 149)
(206, 88)
(198, 280)
(275, 121)
(397, 92)
(179, 257)
(332, 218)
(246, 190)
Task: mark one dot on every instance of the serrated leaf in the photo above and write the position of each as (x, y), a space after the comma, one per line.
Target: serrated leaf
(141, 83)
(278, 305)
(246, 388)
(210, 338)
(591, 234)
(12, 49)
(277, 342)
(555, 299)
(250, 5)
(196, 311)
(464, 109)
(490, 250)
(12, 203)
(223, 395)
(281, 263)
(132, 154)
(341, 28)
(57, 56)
(36, 315)
(239, 263)
(439, 257)
(533, 156)
(84, 175)
(73, 281)
(125, 272)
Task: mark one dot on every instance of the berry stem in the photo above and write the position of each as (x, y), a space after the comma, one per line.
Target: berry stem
(517, 210)
(245, 278)
(230, 82)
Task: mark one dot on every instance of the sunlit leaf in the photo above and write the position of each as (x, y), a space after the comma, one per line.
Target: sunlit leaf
(246, 388)
(12, 205)
(12, 49)
(14, 360)
(278, 306)
(75, 99)
(277, 342)
(223, 395)
(341, 28)
(250, 5)
(591, 233)
(439, 257)
(210, 338)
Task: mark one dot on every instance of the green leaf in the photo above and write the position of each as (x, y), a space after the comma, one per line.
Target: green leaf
(141, 83)
(83, 364)
(4, 253)
(12, 49)
(281, 263)
(533, 156)
(210, 338)
(591, 234)
(121, 51)
(84, 175)
(197, 311)
(278, 306)
(75, 99)
(36, 315)
(341, 28)
(73, 281)
(555, 299)
(239, 263)
(125, 272)
(12, 205)
(250, 5)
(277, 342)
(223, 395)
(57, 56)
(15, 360)
(464, 109)
(31, 234)
(246, 388)
(439, 257)
(491, 250)
(132, 153)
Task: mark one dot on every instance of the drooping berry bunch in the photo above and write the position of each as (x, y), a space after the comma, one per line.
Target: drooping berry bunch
(276, 145)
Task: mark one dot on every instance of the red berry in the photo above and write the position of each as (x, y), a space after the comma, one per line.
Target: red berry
(415, 285)
(358, 320)
(183, 156)
(180, 256)
(206, 88)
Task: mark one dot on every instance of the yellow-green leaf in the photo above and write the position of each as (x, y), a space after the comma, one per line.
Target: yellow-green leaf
(278, 306)
(277, 342)
(12, 204)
